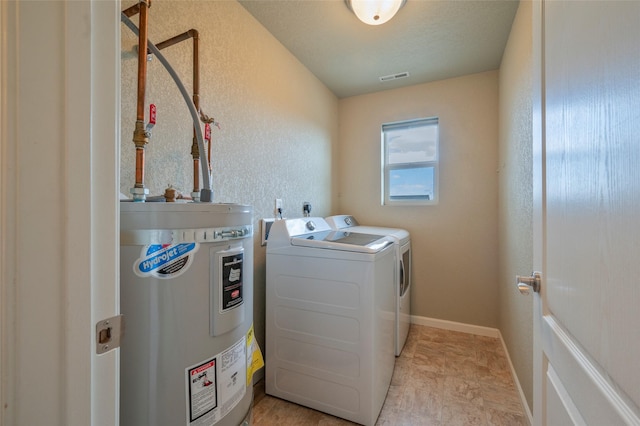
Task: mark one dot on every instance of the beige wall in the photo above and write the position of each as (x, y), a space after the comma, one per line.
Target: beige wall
(278, 122)
(516, 196)
(285, 135)
(455, 254)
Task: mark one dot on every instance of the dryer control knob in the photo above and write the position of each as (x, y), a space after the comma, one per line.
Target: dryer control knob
(311, 226)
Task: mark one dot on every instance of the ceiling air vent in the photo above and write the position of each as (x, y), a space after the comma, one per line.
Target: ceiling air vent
(394, 76)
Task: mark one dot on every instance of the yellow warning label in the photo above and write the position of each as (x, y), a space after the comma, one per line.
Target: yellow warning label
(254, 356)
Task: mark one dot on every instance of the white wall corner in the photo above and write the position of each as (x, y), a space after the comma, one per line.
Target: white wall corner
(523, 398)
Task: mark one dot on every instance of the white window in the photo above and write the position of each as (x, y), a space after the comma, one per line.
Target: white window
(410, 162)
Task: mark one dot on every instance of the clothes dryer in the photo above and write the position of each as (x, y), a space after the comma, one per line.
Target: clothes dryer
(402, 243)
(330, 318)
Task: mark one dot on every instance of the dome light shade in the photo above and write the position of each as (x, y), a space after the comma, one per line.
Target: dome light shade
(374, 12)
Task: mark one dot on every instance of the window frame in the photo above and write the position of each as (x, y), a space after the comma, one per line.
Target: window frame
(387, 168)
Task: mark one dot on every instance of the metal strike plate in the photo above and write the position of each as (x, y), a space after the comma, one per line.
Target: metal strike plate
(109, 332)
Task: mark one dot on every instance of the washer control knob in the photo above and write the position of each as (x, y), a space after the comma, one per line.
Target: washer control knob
(311, 226)
(348, 220)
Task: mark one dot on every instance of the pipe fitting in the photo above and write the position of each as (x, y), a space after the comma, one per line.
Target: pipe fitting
(206, 195)
(195, 196)
(170, 194)
(195, 151)
(139, 194)
(141, 135)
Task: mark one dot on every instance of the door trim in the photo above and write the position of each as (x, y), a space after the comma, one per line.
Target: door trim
(538, 203)
(104, 157)
(573, 357)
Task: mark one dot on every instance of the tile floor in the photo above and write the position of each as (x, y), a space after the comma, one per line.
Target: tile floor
(442, 378)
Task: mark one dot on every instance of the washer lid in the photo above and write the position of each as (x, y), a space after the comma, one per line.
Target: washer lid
(349, 223)
(343, 240)
(398, 234)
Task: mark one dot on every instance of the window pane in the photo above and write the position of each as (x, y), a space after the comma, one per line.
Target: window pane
(410, 162)
(412, 145)
(411, 183)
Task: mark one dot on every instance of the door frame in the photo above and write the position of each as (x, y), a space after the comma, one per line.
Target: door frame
(104, 51)
(83, 215)
(539, 185)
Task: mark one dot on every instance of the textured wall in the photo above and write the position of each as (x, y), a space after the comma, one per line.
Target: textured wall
(455, 249)
(516, 196)
(278, 122)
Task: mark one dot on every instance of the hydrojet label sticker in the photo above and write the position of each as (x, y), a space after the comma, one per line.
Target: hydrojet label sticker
(165, 260)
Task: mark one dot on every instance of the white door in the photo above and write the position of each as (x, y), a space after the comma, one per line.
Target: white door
(587, 219)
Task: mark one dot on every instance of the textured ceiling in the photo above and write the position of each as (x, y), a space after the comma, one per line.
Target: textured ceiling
(431, 40)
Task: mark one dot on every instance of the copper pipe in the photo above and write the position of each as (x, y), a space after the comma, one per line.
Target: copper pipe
(209, 153)
(196, 66)
(196, 175)
(142, 59)
(133, 10)
(139, 167)
(195, 154)
(177, 39)
(192, 33)
(140, 134)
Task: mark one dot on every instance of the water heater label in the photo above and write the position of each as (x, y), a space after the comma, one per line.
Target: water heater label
(165, 261)
(203, 395)
(215, 386)
(231, 288)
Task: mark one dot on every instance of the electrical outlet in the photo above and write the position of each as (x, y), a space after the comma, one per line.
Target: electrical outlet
(278, 208)
(306, 209)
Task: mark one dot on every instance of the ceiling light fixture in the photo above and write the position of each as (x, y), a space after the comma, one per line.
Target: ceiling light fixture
(374, 12)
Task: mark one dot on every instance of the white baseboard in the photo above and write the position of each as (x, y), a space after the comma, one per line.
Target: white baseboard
(480, 331)
(523, 399)
(456, 326)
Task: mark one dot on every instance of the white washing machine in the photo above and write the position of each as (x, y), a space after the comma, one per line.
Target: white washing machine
(403, 288)
(186, 288)
(330, 316)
